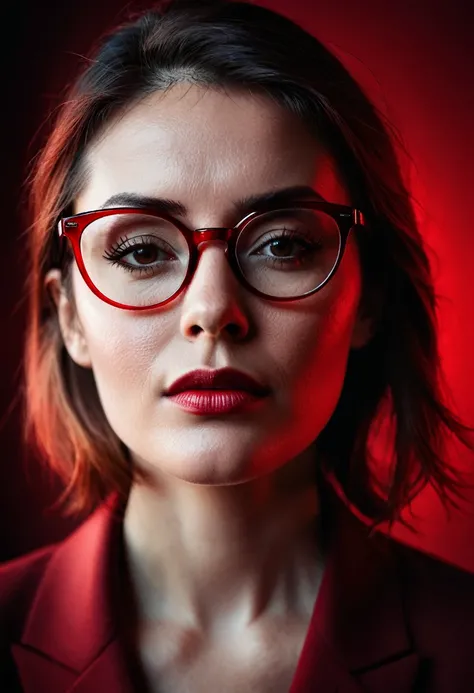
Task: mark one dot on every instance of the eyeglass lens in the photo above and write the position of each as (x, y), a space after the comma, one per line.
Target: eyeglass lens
(141, 260)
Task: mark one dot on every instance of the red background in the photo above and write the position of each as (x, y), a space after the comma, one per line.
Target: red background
(414, 58)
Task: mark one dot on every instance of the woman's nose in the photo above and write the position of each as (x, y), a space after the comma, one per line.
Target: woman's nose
(212, 302)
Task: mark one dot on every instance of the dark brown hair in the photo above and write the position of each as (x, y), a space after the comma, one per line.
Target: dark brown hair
(229, 45)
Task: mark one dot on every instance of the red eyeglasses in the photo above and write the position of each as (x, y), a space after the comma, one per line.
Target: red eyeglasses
(140, 258)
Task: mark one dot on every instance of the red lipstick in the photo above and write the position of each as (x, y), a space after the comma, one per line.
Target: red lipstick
(216, 392)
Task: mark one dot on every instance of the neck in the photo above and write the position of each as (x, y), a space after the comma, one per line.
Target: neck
(225, 556)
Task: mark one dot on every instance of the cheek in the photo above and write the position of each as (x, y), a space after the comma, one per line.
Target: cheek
(300, 348)
(123, 348)
(313, 341)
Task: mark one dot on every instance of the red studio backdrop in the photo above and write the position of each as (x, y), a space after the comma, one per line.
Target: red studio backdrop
(413, 57)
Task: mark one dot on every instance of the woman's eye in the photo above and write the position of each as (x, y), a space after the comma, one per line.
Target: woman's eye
(283, 246)
(138, 253)
(146, 254)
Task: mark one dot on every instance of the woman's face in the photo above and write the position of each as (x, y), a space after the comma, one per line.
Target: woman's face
(206, 150)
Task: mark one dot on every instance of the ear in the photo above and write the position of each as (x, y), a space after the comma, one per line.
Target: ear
(365, 323)
(362, 332)
(71, 329)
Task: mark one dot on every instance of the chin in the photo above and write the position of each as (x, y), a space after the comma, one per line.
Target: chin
(203, 470)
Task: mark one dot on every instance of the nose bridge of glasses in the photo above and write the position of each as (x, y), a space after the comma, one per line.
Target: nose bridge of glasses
(218, 235)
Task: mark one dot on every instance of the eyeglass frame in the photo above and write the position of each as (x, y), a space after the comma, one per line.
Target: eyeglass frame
(72, 228)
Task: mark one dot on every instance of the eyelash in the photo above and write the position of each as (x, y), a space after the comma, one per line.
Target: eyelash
(123, 246)
(289, 234)
(120, 249)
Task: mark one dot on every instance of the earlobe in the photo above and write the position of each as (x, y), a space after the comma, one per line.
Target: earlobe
(362, 332)
(369, 313)
(69, 324)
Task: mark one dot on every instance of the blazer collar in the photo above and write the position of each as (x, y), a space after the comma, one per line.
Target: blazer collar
(70, 637)
(357, 640)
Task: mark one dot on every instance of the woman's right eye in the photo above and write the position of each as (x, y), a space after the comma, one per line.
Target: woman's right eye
(140, 252)
(145, 254)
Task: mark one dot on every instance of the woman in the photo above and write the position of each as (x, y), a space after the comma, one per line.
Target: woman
(237, 288)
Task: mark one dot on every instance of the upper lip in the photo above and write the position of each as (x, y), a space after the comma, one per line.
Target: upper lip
(223, 379)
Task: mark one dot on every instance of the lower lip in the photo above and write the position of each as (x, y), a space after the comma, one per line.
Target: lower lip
(214, 401)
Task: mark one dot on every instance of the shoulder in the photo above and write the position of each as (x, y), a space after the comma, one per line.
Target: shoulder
(439, 606)
(60, 571)
(429, 578)
(19, 579)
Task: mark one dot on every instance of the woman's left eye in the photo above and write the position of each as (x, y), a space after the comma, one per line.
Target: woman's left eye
(285, 244)
(286, 241)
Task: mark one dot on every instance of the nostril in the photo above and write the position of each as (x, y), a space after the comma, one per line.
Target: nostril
(232, 329)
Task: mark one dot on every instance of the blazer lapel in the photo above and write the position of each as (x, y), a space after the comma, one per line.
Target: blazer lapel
(358, 640)
(105, 673)
(69, 643)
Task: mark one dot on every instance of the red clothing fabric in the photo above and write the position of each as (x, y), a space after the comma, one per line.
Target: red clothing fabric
(387, 619)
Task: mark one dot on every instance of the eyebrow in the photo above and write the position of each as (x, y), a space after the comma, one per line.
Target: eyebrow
(252, 203)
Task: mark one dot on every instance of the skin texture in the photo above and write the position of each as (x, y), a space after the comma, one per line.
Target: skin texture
(223, 539)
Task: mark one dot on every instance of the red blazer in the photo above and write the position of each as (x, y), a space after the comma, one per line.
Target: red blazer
(388, 619)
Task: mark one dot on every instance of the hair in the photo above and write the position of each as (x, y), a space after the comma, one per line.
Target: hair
(236, 45)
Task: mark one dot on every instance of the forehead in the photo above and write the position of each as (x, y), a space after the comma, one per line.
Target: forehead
(203, 146)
